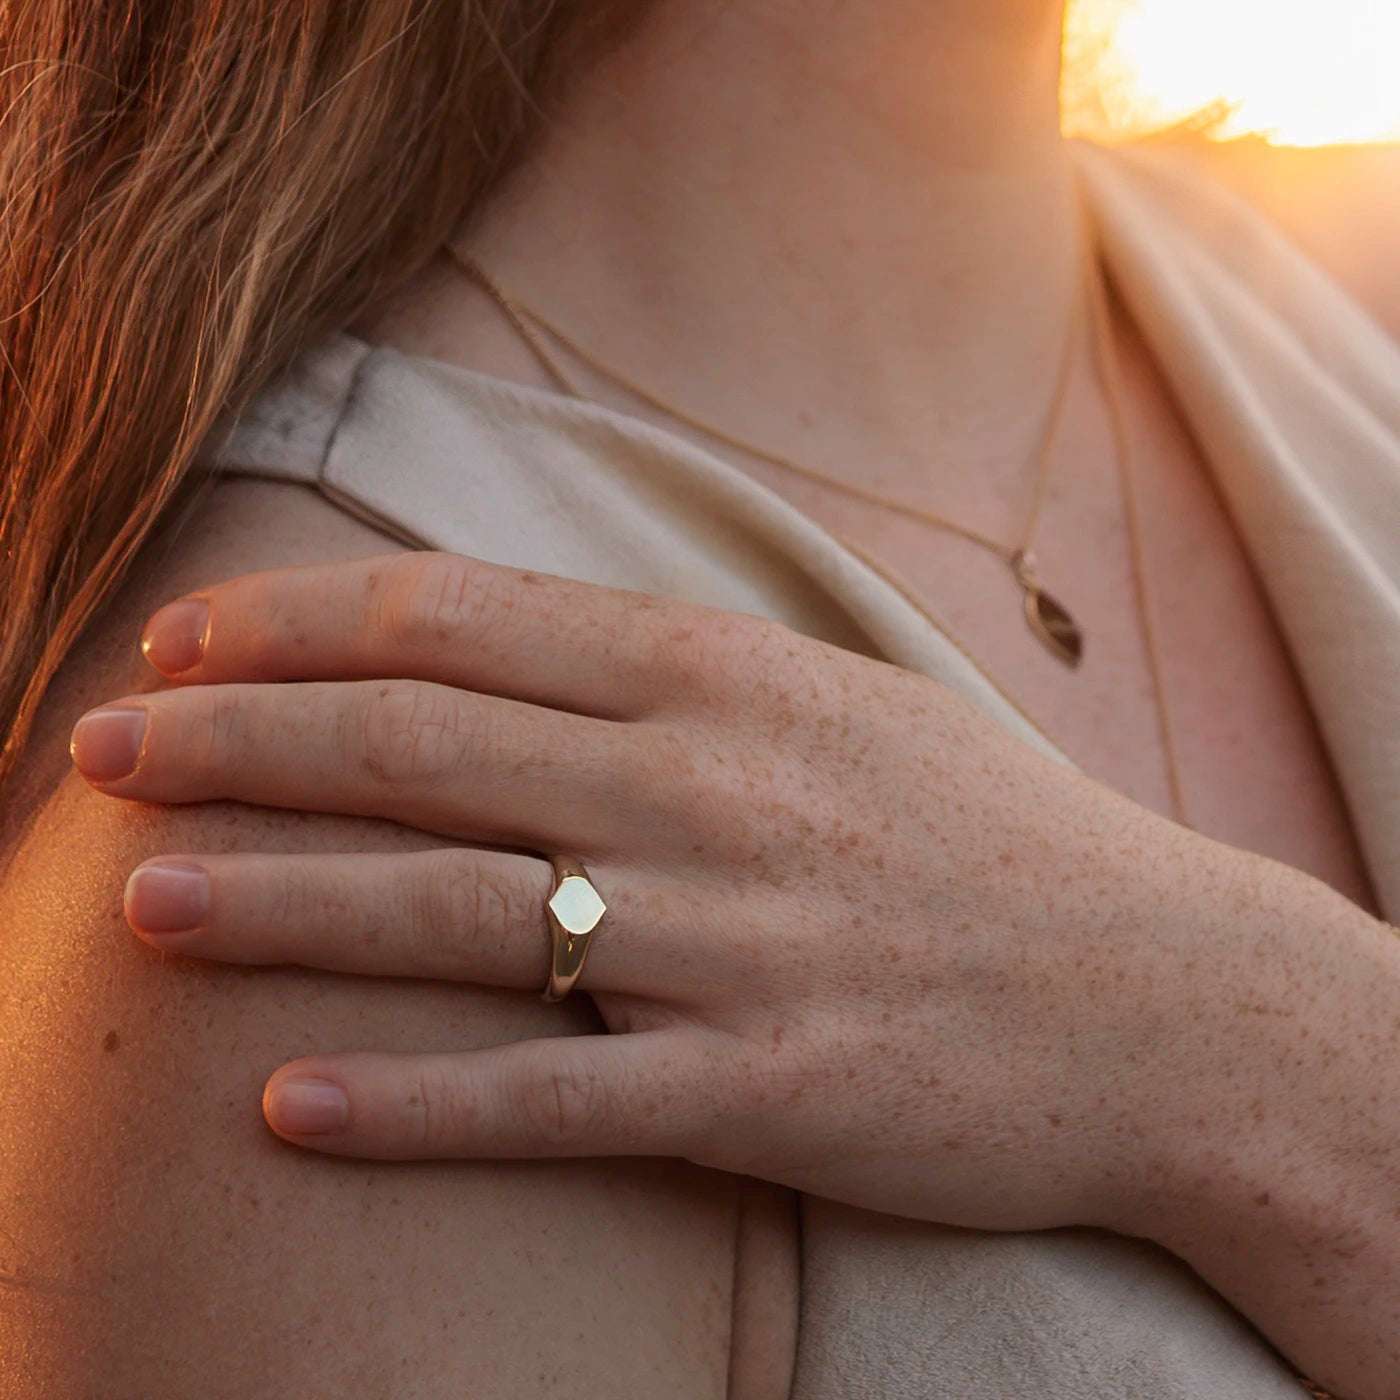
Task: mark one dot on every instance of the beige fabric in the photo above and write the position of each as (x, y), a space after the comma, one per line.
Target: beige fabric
(1294, 394)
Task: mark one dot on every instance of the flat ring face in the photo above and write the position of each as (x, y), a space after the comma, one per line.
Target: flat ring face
(576, 904)
(573, 910)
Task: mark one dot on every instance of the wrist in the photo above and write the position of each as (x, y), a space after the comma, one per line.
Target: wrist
(1288, 1027)
(1273, 1166)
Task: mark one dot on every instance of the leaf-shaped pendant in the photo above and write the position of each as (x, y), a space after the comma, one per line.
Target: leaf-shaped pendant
(1049, 619)
(1051, 622)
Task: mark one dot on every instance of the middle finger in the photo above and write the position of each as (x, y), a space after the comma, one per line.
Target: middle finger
(429, 756)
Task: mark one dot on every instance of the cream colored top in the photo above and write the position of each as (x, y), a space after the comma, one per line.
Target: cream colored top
(1293, 393)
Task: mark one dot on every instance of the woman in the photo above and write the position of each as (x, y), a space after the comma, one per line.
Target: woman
(1030, 1058)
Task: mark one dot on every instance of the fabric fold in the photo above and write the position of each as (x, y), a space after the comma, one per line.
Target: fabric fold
(1300, 425)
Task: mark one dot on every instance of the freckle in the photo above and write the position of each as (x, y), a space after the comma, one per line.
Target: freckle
(414, 1100)
(111, 1041)
(1262, 1199)
(1054, 1119)
(850, 1074)
(951, 1144)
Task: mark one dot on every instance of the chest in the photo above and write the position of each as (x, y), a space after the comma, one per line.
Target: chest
(1250, 762)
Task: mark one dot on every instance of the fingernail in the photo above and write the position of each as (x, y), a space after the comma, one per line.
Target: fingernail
(174, 638)
(106, 743)
(167, 896)
(299, 1104)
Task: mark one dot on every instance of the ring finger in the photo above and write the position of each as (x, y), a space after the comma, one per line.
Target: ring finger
(456, 914)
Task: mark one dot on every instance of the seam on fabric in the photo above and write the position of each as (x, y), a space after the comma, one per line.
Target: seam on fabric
(349, 401)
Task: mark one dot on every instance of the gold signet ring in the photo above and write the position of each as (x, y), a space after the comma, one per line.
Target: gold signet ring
(573, 910)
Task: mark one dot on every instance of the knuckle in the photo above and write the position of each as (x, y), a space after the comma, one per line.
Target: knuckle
(209, 736)
(493, 906)
(432, 598)
(678, 775)
(436, 1110)
(718, 650)
(460, 895)
(408, 733)
(295, 898)
(704, 790)
(561, 1103)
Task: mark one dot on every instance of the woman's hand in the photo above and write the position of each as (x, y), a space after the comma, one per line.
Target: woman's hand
(859, 940)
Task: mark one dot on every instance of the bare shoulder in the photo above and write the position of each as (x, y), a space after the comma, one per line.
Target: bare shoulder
(1340, 204)
(233, 527)
(156, 1239)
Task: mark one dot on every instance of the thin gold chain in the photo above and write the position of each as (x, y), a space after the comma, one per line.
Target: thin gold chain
(1110, 377)
(528, 322)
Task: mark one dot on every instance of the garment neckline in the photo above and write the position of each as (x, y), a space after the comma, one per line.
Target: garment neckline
(587, 409)
(584, 409)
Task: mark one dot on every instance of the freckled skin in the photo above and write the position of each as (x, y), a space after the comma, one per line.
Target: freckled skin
(1132, 1026)
(156, 1239)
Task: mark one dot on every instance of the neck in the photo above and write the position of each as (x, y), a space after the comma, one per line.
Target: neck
(844, 230)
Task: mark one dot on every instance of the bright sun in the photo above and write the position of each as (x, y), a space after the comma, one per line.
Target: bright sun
(1298, 72)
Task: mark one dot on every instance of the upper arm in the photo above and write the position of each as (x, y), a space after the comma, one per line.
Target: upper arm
(157, 1239)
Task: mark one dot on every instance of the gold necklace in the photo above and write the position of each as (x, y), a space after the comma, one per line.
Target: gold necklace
(1047, 618)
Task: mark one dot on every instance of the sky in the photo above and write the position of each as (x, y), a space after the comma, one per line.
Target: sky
(1297, 72)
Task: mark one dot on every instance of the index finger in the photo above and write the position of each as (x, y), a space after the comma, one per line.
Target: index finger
(431, 616)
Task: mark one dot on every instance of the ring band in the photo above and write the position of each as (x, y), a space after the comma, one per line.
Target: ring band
(572, 910)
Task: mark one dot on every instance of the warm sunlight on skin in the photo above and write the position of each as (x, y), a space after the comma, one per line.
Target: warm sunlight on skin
(1298, 72)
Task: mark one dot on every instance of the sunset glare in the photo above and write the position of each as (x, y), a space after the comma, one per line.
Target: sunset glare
(1297, 72)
